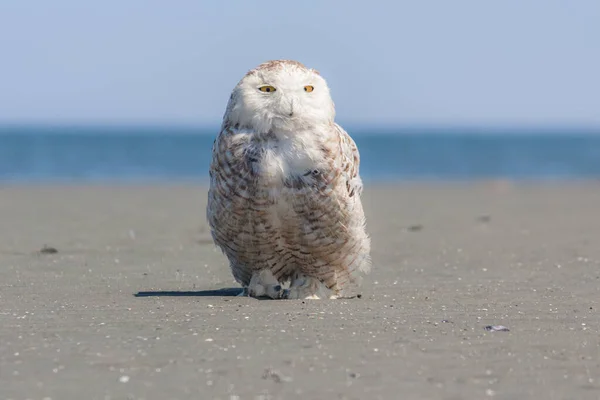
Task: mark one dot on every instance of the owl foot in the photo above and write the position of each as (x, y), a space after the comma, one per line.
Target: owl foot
(264, 284)
(308, 288)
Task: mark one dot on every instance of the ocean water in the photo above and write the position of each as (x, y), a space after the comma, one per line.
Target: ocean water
(126, 154)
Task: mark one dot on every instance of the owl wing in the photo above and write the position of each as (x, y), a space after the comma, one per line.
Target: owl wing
(228, 204)
(350, 161)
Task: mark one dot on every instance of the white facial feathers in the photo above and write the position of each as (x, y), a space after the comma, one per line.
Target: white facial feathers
(293, 98)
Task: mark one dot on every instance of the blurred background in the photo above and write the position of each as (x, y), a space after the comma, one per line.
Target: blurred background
(465, 89)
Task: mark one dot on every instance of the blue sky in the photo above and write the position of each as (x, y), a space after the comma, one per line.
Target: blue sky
(459, 62)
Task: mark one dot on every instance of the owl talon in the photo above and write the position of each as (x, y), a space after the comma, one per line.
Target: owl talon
(264, 284)
(274, 291)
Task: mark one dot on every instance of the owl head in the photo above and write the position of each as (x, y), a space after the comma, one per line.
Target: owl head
(280, 96)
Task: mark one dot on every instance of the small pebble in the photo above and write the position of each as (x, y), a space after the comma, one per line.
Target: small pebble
(275, 376)
(48, 250)
(496, 328)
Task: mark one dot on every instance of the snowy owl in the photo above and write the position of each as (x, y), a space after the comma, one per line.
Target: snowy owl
(284, 200)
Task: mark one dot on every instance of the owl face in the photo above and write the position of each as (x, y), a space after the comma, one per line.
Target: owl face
(281, 96)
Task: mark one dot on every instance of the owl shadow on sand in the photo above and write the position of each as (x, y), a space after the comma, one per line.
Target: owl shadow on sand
(223, 292)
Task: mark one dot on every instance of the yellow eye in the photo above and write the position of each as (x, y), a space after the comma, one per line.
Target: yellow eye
(267, 89)
(309, 88)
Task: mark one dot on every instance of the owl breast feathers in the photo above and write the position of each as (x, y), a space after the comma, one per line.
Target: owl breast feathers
(284, 203)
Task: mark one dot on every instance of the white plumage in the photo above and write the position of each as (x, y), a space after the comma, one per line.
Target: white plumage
(284, 200)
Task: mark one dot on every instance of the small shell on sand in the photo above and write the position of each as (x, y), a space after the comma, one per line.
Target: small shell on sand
(496, 328)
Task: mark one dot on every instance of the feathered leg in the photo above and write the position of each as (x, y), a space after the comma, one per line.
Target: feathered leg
(263, 283)
(308, 287)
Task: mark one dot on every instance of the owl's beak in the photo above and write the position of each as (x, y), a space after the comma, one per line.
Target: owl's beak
(291, 114)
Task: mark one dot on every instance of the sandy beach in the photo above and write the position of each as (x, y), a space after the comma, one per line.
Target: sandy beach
(137, 303)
